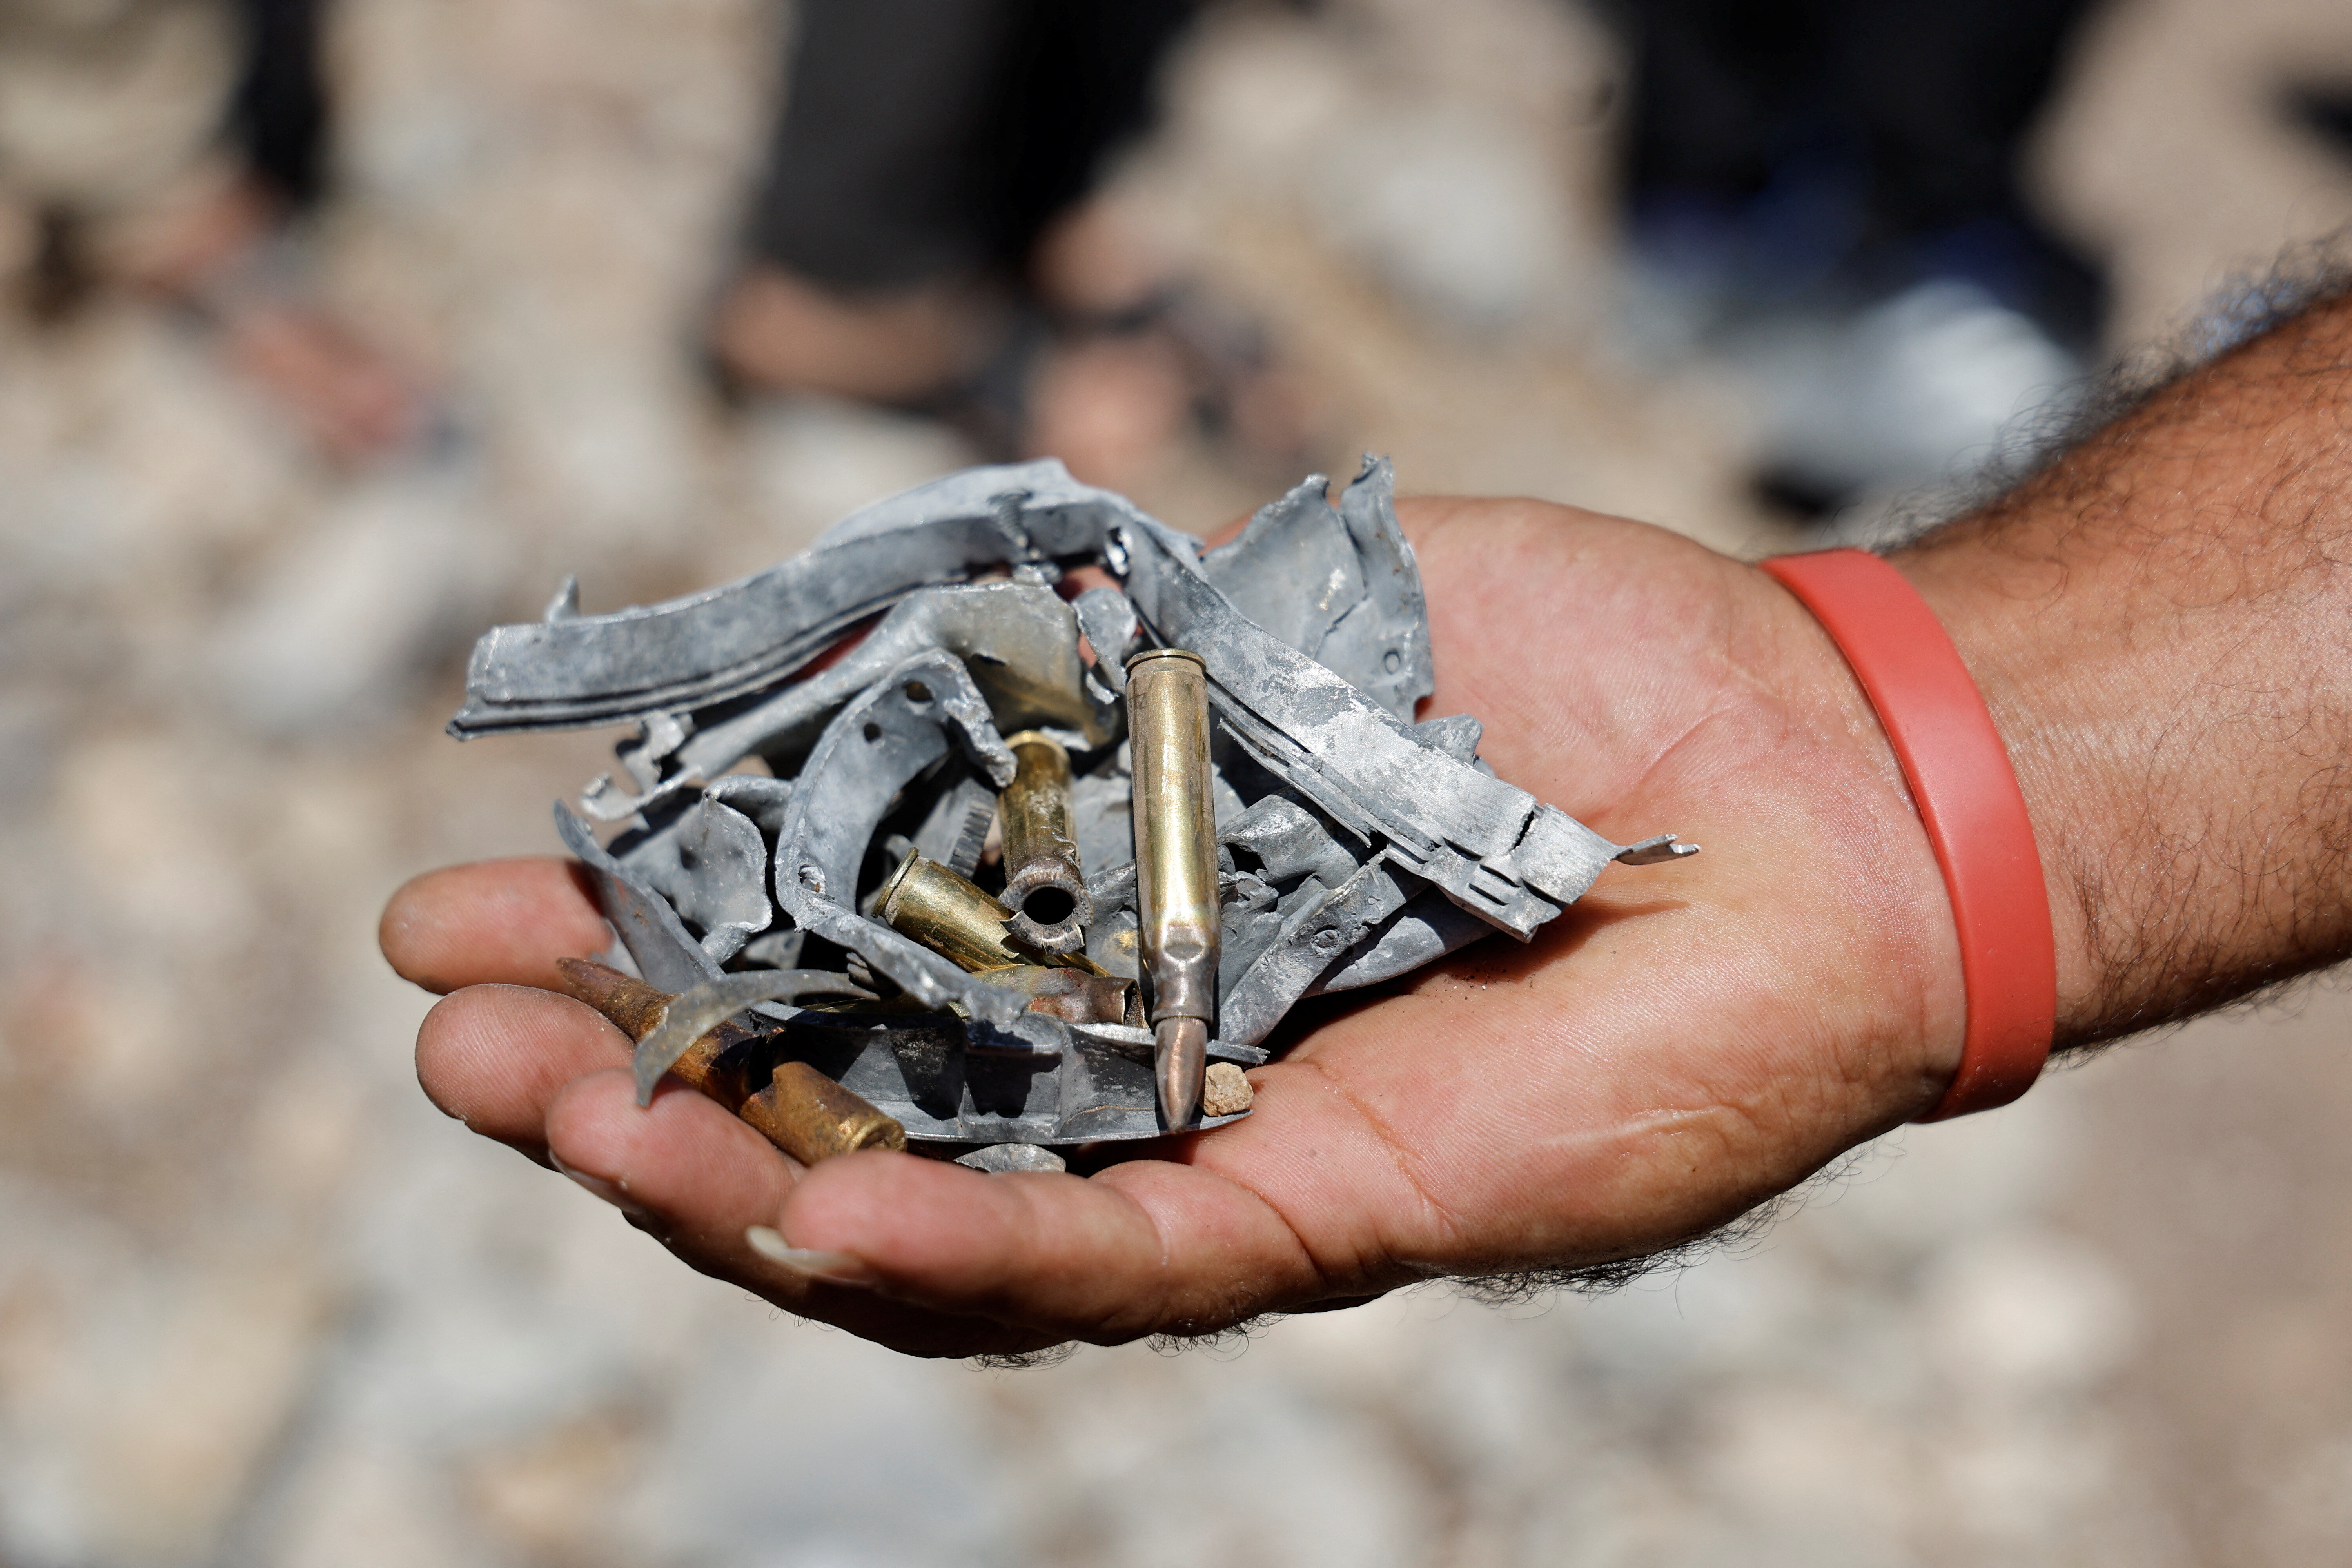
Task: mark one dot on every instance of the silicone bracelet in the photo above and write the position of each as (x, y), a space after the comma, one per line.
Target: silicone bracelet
(1969, 801)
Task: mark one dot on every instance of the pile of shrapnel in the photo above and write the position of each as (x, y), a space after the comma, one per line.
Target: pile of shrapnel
(987, 894)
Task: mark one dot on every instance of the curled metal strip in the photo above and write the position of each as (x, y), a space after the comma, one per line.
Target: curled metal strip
(872, 750)
(1019, 642)
(730, 641)
(696, 1013)
(667, 954)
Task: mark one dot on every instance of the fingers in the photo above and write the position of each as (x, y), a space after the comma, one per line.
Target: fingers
(700, 1175)
(1303, 1200)
(960, 1262)
(534, 1070)
(530, 1069)
(699, 1179)
(492, 920)
(1143, 1248)
(965, 1262)
(495, 1057)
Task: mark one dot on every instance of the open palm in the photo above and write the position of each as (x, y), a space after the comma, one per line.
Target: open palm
(1684, 1042)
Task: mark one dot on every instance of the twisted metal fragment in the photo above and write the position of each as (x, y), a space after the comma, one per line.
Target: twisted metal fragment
(1332, 841)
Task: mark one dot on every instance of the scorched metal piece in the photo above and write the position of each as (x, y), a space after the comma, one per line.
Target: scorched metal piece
(1334, 842)
(1018, 641)
(873, 749)
(576, 670)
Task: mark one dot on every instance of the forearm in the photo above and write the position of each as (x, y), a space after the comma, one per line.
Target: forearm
(2161, 621)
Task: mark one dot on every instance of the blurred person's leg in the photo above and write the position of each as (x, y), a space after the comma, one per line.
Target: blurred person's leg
(166, 145)
(1948, 95)
(1139, 352)
(107, 114)
(924, 149)
(930, 231)
(1846, 145)
(1829, 190)
(871, 274)
(278, 116)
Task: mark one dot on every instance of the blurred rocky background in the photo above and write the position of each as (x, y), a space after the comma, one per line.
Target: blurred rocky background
(261, 1305)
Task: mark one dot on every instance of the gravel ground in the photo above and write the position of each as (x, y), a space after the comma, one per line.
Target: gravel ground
(260, 1304)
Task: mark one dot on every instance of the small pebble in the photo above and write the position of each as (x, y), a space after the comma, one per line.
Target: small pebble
(1226, 1092)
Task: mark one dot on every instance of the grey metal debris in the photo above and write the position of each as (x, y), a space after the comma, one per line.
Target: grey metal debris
(666, 955)
(1019, 642)
(711, 863)
(1354, 843)
(697, 653)
(1337, 585)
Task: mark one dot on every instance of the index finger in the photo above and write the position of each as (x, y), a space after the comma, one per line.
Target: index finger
(490, 922)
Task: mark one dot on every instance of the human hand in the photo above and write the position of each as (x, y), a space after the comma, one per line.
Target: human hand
(1682, 1043)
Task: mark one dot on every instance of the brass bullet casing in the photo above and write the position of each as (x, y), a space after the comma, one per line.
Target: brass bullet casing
(799, 1110)
(1042, 883)
(955, 918)
(1179, 923)
(802, 1109)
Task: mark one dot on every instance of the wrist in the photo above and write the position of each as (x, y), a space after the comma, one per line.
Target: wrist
(1905, 1006)
(1968, 807)
(2000, 614)
(2161, 618)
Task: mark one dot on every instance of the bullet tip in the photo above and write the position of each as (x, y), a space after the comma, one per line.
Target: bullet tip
(1180, 1053)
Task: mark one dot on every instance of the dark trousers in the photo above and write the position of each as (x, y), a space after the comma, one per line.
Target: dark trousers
(927, 138)
(1855, 137)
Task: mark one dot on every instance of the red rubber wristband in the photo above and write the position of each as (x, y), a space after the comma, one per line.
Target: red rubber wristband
(1969, 802)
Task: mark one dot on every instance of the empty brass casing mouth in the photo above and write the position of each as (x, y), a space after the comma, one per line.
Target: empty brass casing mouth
(955, 919)
(1044, 885)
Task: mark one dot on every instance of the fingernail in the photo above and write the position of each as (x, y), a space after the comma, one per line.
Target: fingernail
(833, 1268)
(612, 1193)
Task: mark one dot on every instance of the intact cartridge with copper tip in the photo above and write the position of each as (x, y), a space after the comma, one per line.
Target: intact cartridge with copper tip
(957, 918)
(1179, 923)
(1044, 886)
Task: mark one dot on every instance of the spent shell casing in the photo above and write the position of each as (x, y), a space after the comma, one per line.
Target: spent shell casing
(811, 1117)
(799, 1110)
(1044, 886)
(956, 918)
(1179, 923)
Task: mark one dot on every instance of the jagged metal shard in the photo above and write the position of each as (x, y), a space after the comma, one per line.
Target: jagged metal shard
(1354, 843)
